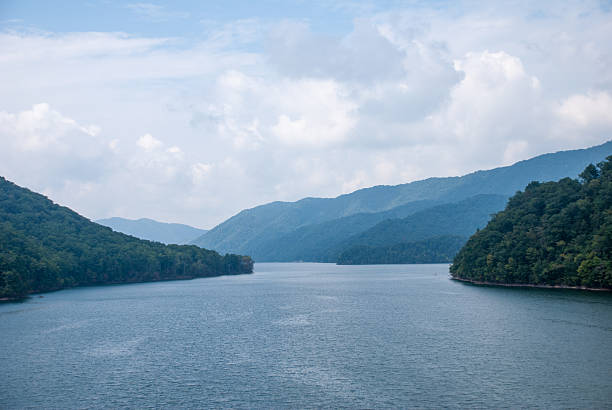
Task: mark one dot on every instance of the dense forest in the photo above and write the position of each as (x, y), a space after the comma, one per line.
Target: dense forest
(440, 249)
(461, 218)
(554, 233)
(44, 247)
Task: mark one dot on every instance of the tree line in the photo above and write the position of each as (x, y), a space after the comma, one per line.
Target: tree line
(554, 233)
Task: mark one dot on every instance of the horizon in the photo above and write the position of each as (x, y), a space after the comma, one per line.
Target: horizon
(349, 193)
(189, 113)
(137, 219)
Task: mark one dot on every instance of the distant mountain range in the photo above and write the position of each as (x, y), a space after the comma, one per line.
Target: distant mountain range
(320, 229)
(144, 228)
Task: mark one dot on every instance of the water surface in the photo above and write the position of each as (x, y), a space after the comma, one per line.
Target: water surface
(308, 335)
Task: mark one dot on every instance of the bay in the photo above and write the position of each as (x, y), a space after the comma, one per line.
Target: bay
(307, 335)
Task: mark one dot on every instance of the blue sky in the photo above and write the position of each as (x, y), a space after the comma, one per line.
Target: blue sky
(176, 18)
(190, 111)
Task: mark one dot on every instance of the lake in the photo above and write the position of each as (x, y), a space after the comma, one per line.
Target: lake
(308, 335)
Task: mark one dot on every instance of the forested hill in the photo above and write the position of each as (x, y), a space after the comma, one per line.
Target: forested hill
(462, 218)
(262, 232)
(443, 228)
(151, 230)
(44, 246)
(439, 249)
(555, 233)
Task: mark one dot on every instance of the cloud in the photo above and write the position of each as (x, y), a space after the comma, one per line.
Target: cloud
(44, 148)
(365, 55)
(493, 102)
(175, 150)
(195, 129)
(313, 112)
(148, 142)
(155, 12)
(24, 48)
(593, 109)
(252, 112)
(199, 172)
(237, 33)
(40, 127)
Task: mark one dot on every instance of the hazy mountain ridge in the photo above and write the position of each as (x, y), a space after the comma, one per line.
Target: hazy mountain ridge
(322, 242)
(458, 219)
(151, 230)
(258, 231)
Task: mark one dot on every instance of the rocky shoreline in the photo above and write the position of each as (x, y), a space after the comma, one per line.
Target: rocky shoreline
(529, 285)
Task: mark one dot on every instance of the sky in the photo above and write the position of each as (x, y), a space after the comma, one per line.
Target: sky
(190, 111)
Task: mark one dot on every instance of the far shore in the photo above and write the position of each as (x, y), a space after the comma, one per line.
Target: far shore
(529, 285)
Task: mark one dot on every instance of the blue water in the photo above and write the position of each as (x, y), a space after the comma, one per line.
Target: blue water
(308, 335)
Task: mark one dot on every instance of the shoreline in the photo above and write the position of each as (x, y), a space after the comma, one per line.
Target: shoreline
(529, 285)
(11, 299)
(40, 294)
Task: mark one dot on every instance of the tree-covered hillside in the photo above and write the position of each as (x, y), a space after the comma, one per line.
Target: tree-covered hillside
(46, 247)
(440, 249)
(433, 235)
(462, 218)
(555, 233)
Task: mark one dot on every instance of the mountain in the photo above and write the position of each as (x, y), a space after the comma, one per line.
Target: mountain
(415, 221)
(151, 230)
(274, 231)
(554, 234)
(458, 220)
(44, 247)
(440, 249)
(322, 242)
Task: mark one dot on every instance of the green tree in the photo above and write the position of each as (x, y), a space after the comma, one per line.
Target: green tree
(46, 247)
(555, 233)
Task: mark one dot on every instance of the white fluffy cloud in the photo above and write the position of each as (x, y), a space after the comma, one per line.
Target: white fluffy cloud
(42, 128)
(593, 109)
(44, 148)
(194, 131)
(307, 112)
(495, 105)
(148, 142)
